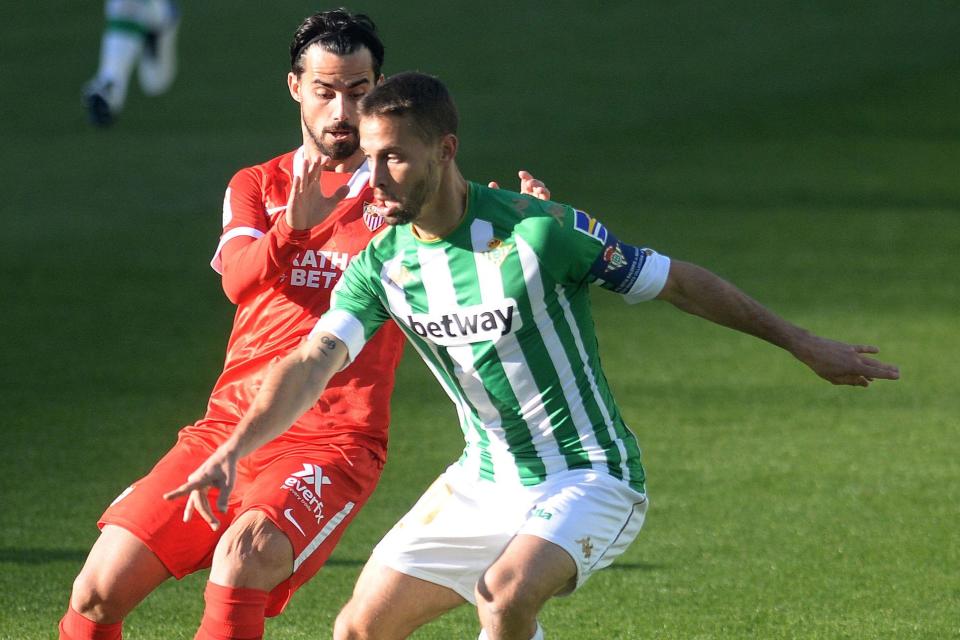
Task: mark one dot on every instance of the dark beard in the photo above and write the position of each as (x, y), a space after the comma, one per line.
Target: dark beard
(339, 150)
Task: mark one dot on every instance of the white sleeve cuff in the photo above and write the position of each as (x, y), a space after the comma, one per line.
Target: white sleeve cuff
(653, 277)
(345, 328)
(217, 262)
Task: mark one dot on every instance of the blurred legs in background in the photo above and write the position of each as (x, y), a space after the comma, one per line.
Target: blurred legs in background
(141, 33)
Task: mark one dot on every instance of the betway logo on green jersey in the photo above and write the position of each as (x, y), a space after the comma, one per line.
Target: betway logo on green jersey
(467, 324)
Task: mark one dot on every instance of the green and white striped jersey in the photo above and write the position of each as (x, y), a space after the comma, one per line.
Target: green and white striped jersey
(500, 312)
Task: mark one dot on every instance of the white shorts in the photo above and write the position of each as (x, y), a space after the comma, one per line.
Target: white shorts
(460, 525)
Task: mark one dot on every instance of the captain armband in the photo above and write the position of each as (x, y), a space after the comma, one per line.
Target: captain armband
(636, 273)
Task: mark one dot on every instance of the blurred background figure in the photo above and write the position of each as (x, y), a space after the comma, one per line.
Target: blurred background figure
(141, 33)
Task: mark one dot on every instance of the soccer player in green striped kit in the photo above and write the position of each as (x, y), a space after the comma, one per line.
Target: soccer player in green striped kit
(491, 287)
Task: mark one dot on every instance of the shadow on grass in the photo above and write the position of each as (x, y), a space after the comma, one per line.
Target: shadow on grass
(635, 566)
(28, 556)
(22, 555)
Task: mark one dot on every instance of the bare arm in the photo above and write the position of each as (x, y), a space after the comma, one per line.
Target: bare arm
(697, 291)
(289, 390)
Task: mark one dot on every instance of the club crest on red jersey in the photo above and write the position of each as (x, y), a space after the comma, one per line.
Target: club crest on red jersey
(371, 216)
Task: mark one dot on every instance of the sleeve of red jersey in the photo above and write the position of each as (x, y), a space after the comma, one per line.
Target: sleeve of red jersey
(252, 252)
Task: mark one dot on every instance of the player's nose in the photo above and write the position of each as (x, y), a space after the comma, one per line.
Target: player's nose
(377, 173)
(340, 108)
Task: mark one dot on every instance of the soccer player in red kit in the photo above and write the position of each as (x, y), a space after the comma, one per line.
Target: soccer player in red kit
(280, 254)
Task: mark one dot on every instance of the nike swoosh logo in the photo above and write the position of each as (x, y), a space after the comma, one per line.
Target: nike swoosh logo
(272, 210)
(287, 514)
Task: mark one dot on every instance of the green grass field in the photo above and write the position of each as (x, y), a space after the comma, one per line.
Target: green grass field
(811, 155)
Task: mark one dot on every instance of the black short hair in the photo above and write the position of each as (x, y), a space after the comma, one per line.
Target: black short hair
(338, 31)
(423, 97)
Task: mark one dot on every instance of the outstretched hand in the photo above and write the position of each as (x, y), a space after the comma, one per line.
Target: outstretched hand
(218, 472)
(842, 363)
(529, 186)
(307, 205)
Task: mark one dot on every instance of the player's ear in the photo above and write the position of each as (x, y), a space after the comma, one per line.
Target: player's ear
(448, 147)
(293, 83)
(379, 80)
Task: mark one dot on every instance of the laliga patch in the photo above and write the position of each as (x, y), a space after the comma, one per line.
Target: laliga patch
(371, 216)
(497, 251)
(589, 226)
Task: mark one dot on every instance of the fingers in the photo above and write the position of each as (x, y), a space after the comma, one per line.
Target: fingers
(313, 174)
(493, 185)
(876, 369)
(198, 501)
(541, 191)
(865, 348)
(223, 500)
(850, 381)
(531, 186)
(182, 490)
(305, 167)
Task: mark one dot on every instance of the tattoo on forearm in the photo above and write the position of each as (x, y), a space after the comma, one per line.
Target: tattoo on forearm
(329, 343)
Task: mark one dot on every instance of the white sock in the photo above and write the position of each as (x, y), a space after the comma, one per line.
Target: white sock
(536, 636)
(119, 51)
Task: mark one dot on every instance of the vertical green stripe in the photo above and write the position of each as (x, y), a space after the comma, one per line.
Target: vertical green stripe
(579, 305)
(463, 270)
(542, 370)
(579, 301)
(415, 296)
(442, 364)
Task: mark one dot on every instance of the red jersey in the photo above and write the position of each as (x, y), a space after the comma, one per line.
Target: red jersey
(281, 283)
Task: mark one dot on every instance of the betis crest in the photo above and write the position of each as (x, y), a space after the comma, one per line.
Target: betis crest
(497, 251)
(614, 257)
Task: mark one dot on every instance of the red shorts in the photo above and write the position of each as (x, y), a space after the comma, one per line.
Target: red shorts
(310, 492)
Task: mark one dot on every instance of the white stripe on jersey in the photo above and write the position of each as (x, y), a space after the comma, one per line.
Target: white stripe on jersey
(441, 297)
(562, 365)
(400, 308)
(217, 262)
(529, 399)
(585, 363)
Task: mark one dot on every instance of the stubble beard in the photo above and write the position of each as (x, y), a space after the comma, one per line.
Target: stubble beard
(413, 206)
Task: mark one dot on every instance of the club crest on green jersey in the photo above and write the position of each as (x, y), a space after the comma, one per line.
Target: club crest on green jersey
(401, 275)
(497, 251)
